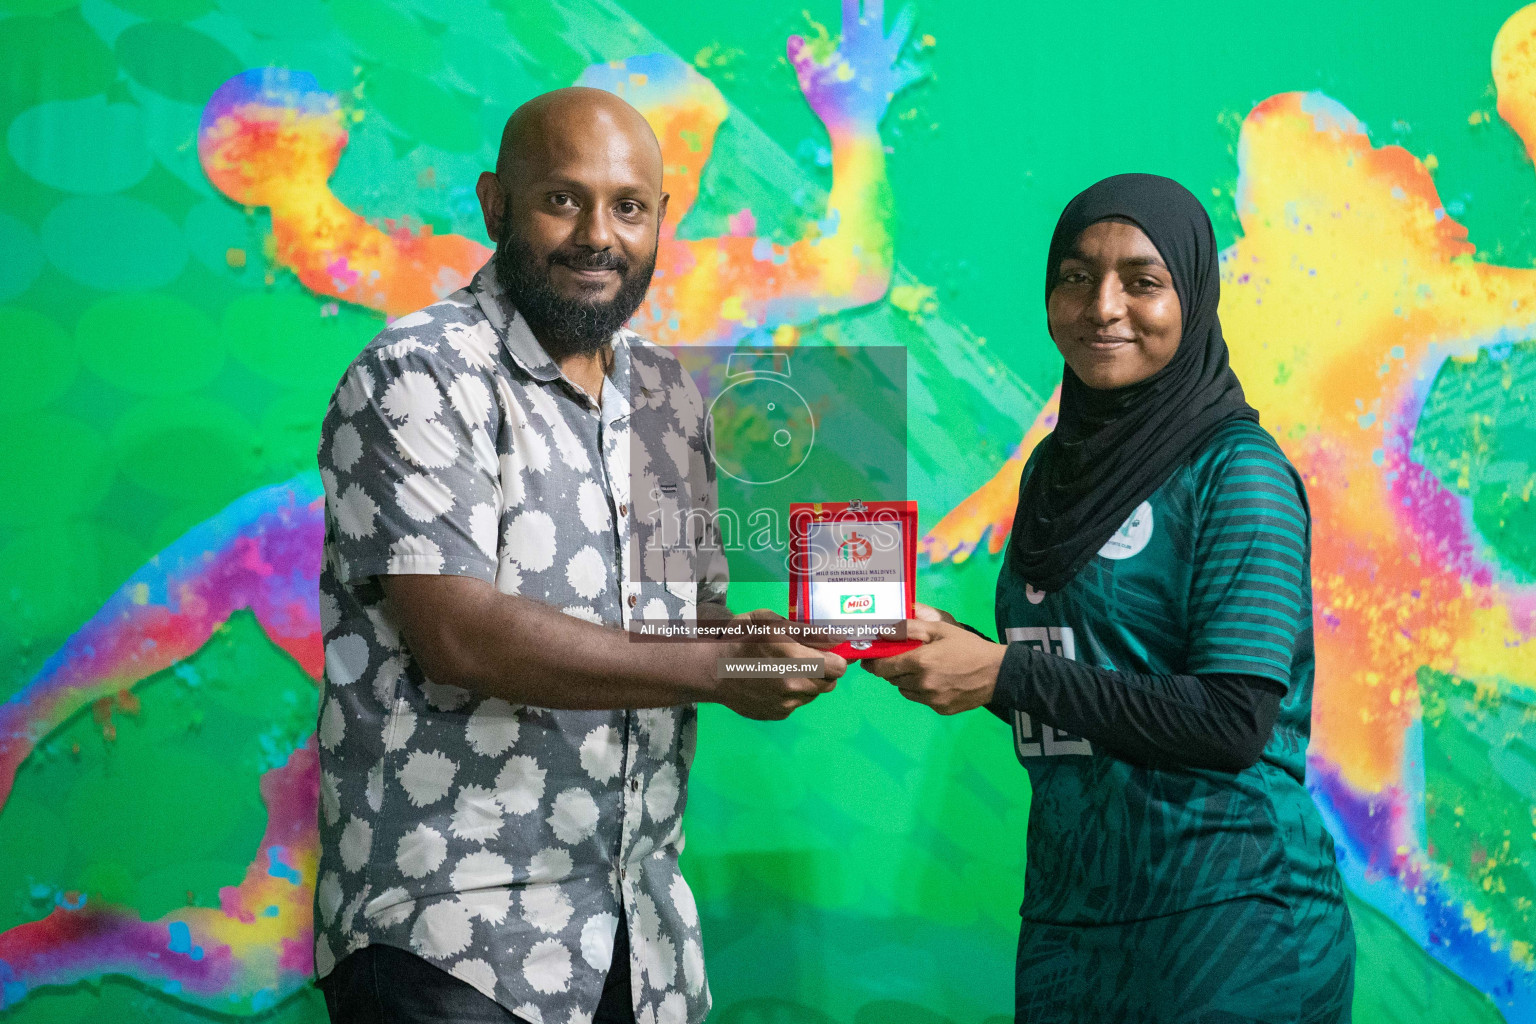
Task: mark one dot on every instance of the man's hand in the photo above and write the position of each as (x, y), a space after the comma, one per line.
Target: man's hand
(774, 697)
(853, 85)
(953, 671)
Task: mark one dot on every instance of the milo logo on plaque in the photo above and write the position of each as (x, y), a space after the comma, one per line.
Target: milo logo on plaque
(857, 604)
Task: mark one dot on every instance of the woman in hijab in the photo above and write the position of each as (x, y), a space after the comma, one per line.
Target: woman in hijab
(1156, 611)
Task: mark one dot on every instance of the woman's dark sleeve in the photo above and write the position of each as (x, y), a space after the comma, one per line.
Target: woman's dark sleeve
(1219, 722)
(973, 629)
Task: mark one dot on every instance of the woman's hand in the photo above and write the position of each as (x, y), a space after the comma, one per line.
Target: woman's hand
(953, 671)
(827, 641)
(928, 613)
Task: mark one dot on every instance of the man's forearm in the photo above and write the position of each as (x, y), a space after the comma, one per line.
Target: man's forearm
(525, 652)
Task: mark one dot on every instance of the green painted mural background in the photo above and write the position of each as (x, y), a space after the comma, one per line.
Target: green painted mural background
(861, 863)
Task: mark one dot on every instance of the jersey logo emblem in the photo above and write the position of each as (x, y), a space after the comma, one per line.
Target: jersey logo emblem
(1132, 536)
(1036, 739)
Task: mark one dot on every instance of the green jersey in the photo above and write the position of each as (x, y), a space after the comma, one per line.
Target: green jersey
(1209, 575)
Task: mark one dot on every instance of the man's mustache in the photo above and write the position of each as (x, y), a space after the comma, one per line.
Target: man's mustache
(590, 259)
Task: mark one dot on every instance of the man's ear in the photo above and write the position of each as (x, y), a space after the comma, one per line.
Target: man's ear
(662, 209)
(493, 203)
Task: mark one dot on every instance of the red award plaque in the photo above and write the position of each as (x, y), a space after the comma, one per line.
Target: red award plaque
(853, 567)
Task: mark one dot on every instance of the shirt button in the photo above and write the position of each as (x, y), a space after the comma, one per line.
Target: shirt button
(634, 785)
(632, 600)
(623, 509)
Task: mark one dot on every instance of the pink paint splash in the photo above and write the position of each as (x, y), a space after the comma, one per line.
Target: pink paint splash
(244, 957)
(262, 553)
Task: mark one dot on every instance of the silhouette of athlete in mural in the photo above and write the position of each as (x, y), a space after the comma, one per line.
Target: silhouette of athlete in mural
(272, 138)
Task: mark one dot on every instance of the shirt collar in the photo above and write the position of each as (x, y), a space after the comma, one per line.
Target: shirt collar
(520, 343)
(615, 401)
(530, 355)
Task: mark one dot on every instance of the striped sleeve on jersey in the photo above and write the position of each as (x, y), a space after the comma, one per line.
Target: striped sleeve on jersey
(1250, 591)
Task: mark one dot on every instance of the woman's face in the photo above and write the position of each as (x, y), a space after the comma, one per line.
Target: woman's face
(1114, 313)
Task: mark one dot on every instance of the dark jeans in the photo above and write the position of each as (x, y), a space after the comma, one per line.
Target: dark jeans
(386, 985)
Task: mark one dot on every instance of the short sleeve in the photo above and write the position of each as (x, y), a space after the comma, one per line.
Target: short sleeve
(1250, 592)
(410, 470)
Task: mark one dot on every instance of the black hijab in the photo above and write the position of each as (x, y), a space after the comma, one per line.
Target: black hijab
(1111, 449)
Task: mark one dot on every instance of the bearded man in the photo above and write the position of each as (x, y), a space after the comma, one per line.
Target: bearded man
(502, 772)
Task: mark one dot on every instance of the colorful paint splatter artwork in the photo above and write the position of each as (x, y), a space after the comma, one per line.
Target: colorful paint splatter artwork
(270, 137)
(270, 180)
(1349, 290)
(260, 555)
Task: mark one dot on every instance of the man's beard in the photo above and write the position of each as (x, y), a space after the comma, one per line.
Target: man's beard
(565, 326)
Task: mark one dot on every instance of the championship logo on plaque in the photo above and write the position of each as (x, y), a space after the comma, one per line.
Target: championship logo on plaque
(855, 549)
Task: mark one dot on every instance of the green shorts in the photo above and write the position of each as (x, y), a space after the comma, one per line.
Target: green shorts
(1238, 961)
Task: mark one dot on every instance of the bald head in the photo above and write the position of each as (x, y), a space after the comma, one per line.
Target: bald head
(557, 123)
